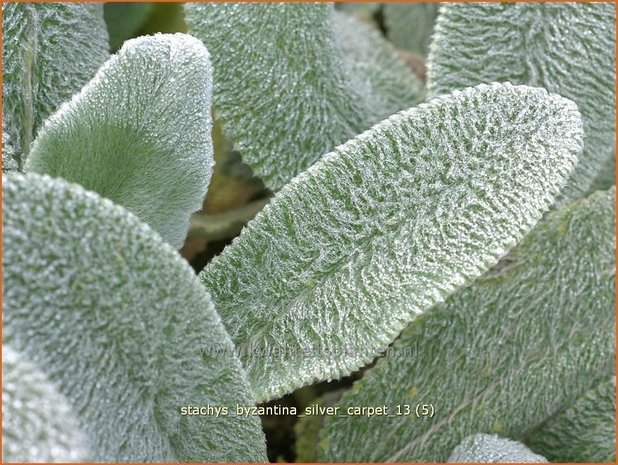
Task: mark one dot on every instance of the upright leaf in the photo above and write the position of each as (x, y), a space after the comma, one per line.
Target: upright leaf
(285, 96)
(38, 424)
(566, 48)
(375, 68)
(139, 133)
(386, 226)
(410, 25)
(584, 432)
(487, 448)
(49, 51)
(121, 325)
(501, 356)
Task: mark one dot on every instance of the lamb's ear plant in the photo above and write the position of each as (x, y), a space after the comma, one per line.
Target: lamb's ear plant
(584, 432)
(544, 317)
(49, 52)
(441, 234)
(139, 132)
(569, 49)
(607, 174)
(487, 448)
(38, 423)
(287, 96)
(110, 314)
(375, 68)
(450, 186)
(121, 325)
(410, 25)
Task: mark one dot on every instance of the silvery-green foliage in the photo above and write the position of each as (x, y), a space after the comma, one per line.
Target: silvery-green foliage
(521, 344)
(584, 432)
(607, 174)
(491, 448)
(49, 51)
(376, 70)
(410, 25)
(38, 425)
(283, 91)
(9, 159)
(566, 48)
(139, 132)
(121, 325)
(386, 226)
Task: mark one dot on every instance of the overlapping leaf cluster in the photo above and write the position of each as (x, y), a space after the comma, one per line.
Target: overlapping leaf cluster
(385, 227)
(291, 93)
(403, 217)
(113, 330)
(516, 348)
(569, 49)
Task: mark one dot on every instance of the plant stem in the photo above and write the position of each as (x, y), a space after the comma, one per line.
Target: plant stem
(226, 225)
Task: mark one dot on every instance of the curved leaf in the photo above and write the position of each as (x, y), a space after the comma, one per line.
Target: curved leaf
(585, 432)
(410, 25)
(38, 424)
(282, 90)
(49, 51)
(139, 133)
(500, 356)
(375, 68)
(385, 227)
(566, 48)
(487, 448)
(119, 322)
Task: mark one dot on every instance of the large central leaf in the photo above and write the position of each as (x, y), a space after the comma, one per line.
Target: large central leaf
(121, 325)
(386, 226)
